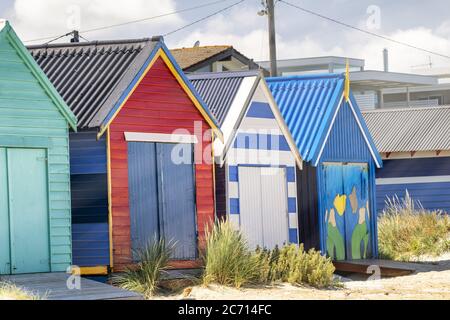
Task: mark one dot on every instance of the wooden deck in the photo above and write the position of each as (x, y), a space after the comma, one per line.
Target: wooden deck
(388, 268)
(53, 286)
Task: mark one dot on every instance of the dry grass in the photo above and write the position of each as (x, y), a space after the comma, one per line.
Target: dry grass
(145, 278)
(406, 230)
(229, 262)
(9, 291)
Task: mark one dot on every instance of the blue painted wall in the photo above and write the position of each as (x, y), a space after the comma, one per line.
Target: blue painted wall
(90, 231)
(346, 142)
(415, 167)
(433, 195)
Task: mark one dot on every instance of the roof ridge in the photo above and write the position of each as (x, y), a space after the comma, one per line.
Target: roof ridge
(405, 109)
(90, 43)
(223, 74)
(307, 77)
(212, 46)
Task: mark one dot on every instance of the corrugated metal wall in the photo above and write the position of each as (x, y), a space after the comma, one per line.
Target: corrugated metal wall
(158, 105)
(90, 231)
(29, 118)
(346, 142)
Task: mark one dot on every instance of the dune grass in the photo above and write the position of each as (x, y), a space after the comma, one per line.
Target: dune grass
(406, 230)
(9, 291)
(146, 276)
(229, 261)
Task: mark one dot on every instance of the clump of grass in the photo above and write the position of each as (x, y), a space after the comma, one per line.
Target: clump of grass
(227, 258)
(146, 276)
(9, 291)
(229, 261)
(406, 230)
(294, 265)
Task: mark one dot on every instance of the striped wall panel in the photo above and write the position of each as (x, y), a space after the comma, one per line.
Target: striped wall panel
(426, 179)
(259, 142)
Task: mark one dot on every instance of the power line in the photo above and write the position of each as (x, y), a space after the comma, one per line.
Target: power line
(54, 38)
(204, 18)
(364, 31)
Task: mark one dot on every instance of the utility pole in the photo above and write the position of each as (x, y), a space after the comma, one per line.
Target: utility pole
(272, 40)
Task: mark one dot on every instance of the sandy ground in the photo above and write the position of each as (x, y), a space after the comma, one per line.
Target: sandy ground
(431, 281)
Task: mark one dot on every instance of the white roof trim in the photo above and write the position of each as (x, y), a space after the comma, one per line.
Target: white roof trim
(160, 137)
(360, 128)
(280, 120)
(248, 90)
(233, 117)
(2, 24)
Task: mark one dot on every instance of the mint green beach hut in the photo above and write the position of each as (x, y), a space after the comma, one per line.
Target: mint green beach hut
(35, 217)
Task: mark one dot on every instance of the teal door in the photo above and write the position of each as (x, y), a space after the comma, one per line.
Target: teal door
(23, 174)
(5, 262)
(346, 210)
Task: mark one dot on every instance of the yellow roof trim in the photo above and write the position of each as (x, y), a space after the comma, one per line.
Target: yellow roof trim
(163, 55)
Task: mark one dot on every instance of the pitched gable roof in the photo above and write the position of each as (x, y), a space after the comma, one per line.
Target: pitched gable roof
(196, 57)
(7, 32)
(410, 129)
(228, 96)
(218, 89)
(309, 105)
(91, 76)
(96, 78)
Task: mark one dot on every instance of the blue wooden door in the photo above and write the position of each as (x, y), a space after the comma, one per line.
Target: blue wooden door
(162, 197)
(177, 201)
(346, 210)
(334, 201)
(28, 210)
(357, 211)
(143, 193)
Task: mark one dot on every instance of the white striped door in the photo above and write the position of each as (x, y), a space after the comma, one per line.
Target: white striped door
(263, 206)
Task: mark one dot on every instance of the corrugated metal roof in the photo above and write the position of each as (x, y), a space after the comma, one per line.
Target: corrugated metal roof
(411, 129)
(218, 89)
(87, 75)
(308, 105)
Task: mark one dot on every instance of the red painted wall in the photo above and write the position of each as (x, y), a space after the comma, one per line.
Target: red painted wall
(158, 105)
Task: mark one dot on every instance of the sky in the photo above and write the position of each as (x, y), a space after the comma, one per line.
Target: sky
(425, 24)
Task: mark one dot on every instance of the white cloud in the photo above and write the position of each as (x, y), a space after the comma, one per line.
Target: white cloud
(240, 27)
(35, 18)
(222, 30)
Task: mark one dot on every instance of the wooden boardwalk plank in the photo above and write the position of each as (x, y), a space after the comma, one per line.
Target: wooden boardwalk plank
(387, 268)
(53, 286)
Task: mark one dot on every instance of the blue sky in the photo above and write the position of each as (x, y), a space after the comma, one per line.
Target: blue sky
(421, 23)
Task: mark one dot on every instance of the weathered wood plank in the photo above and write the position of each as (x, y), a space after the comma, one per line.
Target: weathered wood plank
(53, 286)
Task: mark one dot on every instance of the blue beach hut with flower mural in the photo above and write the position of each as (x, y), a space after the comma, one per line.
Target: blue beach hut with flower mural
(336, 184)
